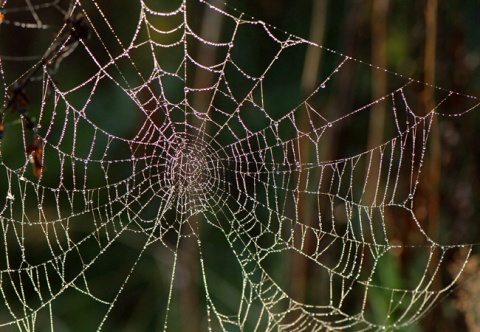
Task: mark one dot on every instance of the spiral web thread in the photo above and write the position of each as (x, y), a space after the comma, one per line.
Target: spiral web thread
(179, 158)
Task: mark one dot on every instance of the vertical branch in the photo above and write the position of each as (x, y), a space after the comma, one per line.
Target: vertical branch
(299, 265)
(210, 30)
(376, 127)
(313, 56)
(379, 89)
(434, 165)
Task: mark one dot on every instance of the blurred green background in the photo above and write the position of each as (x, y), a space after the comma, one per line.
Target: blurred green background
(431, 42)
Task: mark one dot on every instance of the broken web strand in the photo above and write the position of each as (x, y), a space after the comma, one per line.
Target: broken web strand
(272, 168)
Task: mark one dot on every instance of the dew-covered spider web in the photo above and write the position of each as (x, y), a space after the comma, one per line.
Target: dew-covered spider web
(157, 173)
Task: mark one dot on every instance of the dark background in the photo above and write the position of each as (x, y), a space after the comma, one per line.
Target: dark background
(434, 43)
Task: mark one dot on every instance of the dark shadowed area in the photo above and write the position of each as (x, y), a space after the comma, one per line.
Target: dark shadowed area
(240, 166)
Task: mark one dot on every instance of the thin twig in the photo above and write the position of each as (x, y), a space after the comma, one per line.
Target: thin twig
(79, 28)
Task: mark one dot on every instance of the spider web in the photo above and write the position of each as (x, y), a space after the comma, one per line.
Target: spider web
(175, 174)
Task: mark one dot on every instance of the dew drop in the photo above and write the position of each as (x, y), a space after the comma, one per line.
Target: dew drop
(322, 85)
(329, 125)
